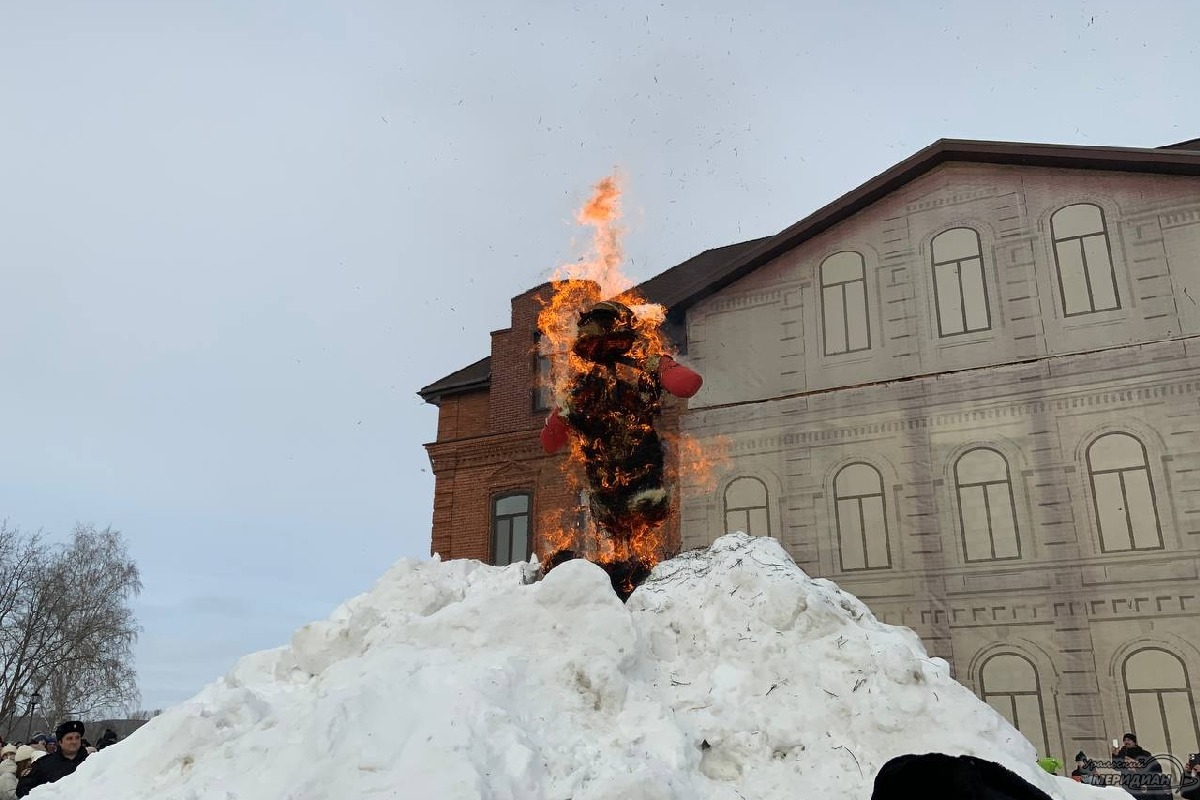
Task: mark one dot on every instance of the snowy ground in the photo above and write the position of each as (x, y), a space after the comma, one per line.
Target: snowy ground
(729, 675)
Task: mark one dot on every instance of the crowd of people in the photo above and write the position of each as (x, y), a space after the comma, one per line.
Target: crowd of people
(1136, 770)
(46, 758)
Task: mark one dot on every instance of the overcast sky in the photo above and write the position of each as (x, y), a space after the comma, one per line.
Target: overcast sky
(236, 237)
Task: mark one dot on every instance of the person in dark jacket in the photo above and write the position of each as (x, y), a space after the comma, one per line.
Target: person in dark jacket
(1129, 744)
(1189, 786)
(1143, 776)
(1085, 769)
(59, 764)
(109, 737)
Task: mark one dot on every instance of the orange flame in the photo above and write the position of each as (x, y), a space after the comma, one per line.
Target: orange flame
(576, 288)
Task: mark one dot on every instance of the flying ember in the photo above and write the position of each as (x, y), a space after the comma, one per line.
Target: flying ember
(609, 366)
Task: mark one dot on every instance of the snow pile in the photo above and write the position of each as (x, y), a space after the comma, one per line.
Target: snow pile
(729, 674)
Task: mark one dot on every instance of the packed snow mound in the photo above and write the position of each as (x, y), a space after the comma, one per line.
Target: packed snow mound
(729, 674)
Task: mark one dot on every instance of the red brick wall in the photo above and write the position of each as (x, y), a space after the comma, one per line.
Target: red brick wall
(463, 416)
(511, 394)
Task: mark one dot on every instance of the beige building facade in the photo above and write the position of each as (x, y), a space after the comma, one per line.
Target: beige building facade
(974, 402)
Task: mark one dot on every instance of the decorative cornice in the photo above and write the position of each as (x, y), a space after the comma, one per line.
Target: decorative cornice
(1043, 611)
(996, 411)
(1179, 218)
(951, 199)
(749, 299)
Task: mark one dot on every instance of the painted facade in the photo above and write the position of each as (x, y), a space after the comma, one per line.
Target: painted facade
(969, 393)
(975, 404)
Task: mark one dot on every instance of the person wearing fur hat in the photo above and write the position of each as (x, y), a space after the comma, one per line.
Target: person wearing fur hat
(7, 752)
(8, 779)
(59, 764)
(24, 758)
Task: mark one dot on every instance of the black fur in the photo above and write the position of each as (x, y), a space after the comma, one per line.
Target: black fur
(937, 775)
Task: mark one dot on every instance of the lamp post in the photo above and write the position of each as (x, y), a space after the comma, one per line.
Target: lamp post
(33, 701)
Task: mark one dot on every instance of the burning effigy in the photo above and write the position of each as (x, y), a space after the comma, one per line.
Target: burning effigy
(610, 366)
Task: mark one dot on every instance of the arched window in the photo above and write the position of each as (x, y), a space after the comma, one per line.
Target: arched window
(1162, 710)
(959, 285)
(511, 538)
(861, 518)
(746, 507)
(1123, 494)
(1010, 684)
(1086, 280)
(844, 304)
(986, 506)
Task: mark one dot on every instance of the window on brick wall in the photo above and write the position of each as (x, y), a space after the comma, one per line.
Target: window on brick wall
(1010, 684)
(959, 284)
(844, 313)
(861, 514)
(512, 536)
(986, 506)
(1123, 494)
(1159, 700)
(543, 392)
(1083, 255)
(746, 507)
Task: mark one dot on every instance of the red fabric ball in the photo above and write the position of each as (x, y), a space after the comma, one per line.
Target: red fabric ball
(678, 379)
(554, 433)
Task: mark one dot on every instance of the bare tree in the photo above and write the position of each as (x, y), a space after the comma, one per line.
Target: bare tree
(66, 626)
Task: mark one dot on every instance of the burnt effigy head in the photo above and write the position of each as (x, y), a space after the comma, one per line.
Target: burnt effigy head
(606, 333)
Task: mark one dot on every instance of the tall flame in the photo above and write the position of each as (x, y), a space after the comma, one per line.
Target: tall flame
(575, 288)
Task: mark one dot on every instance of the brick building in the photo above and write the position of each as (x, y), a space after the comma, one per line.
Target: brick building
(968, 391)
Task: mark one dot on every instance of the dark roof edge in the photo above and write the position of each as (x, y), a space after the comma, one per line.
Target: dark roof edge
(477, 376)
(1169, 160)
(1186, 144)
(470, 378)
(1121, 159)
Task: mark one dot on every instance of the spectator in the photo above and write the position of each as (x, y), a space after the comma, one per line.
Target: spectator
(7, 752)
(109, 737)
(1128, 743)
(69, 755)
(1189, 786)
(1143, 777)
(8, 779)
(1085, 770)
(24, 759)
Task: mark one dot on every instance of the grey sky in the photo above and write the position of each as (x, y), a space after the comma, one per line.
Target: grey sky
(236, 237)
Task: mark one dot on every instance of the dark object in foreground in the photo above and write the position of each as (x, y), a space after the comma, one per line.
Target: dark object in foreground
(625, 575)
(937, 775)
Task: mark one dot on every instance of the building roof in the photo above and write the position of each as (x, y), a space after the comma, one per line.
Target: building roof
(1190, 144)
(701, 276)
(468, 379)
(665, 289)
(1173, 160)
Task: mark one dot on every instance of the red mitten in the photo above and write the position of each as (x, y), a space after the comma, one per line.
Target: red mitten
(678, 379)
(554, 432)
